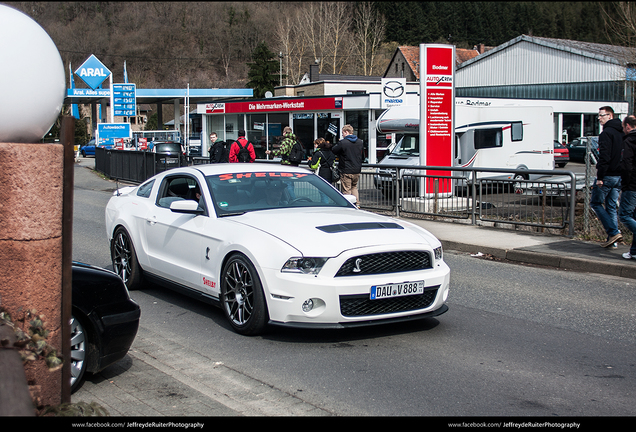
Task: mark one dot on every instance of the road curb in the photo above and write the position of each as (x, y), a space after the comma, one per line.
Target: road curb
(626, 269)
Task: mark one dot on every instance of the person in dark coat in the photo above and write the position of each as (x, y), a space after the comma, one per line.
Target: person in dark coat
(607, 187)
(322, 159)
(216, 150)
(627, 209)
(350, 155)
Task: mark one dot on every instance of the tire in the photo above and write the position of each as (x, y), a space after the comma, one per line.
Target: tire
(242, 297)
(79, 350)
(124, 259)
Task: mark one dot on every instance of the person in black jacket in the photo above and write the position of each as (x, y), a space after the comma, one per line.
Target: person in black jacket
(216, 150)
(322, 159)
(608, 175)
(627, 209)
(349, 151)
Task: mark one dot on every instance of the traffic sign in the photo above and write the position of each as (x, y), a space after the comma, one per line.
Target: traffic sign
(125, 99)
(93, 72)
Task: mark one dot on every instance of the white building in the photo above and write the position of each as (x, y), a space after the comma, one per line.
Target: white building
(574, 78)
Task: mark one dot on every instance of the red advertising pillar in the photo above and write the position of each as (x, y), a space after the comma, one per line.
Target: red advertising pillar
(437, 110)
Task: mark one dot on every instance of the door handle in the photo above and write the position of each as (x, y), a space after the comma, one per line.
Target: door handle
(151, 220)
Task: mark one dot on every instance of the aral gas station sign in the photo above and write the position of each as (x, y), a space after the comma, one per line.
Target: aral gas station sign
(437, 109)
(93, 72)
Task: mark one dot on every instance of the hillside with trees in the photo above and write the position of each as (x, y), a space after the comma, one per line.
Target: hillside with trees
(209, 44)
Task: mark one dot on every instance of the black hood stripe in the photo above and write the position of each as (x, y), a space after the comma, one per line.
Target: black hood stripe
(358, 226)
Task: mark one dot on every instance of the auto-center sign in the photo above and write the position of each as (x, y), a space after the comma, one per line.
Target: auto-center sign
(437, 105)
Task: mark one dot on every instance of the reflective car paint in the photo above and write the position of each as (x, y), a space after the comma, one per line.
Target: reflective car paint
(187, 246)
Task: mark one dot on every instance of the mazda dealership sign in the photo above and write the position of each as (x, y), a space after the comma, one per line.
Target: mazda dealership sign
(393, 92)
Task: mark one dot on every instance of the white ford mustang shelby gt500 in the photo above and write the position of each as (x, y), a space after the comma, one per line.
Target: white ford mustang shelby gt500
(272, 244)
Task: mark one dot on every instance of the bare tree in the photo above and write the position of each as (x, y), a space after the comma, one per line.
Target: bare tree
(337, 21)
(620, 22)
(369, 34)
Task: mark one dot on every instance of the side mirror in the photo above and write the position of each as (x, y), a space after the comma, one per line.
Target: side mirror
(187, 207)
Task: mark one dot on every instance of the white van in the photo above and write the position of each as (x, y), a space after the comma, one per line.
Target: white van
(511, 137)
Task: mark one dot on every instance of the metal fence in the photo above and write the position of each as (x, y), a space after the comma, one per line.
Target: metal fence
(516, 199)
(532, 198)
(132, 165)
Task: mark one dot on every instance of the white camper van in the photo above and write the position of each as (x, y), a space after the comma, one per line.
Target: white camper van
(510, 137)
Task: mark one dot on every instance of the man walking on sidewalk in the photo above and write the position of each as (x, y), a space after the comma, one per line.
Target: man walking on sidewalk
(608, 176)
(627, 209)
(350, 155)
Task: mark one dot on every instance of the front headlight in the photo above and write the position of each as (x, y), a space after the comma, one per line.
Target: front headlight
(303, 265)
(438, 253)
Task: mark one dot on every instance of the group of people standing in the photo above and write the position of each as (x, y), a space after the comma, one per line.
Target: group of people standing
(240, 150)
(616, 175)
(348, 151)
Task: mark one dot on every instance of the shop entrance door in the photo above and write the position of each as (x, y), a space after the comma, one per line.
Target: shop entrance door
(303, 128)
(328, 127)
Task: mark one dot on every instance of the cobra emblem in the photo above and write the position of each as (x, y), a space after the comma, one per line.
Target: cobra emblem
(357, 268)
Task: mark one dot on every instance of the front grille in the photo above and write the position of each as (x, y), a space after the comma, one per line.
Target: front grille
(386, 262)
(361, 305)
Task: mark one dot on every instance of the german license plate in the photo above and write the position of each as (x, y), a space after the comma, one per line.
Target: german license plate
(396, 290)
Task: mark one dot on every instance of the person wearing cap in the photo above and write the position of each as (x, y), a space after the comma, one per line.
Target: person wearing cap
(274, 194)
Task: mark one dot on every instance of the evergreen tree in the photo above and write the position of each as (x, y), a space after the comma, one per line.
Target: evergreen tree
(263, 71)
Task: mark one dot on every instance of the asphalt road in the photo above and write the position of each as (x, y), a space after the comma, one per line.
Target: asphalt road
(517, 341)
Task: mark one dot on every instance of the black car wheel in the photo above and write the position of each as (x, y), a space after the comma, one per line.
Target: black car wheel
(242, 296)
(79, 347)
(124, 258)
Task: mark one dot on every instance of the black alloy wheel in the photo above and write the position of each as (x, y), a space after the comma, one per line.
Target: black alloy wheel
(242, 296)
(79, 348)
(124, 258)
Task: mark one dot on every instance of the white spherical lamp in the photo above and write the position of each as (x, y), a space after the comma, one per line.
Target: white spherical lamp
(32, 79)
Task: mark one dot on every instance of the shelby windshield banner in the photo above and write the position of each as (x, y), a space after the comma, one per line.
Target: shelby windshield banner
(437, 102)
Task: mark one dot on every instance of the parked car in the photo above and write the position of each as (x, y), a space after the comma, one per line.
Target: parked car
(88, 149)
(577, 148)
(104, 321)
(274, 244)
(561, 154)
(170, 155)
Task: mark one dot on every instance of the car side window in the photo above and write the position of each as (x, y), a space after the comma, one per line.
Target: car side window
(145, 189)
(177, 188)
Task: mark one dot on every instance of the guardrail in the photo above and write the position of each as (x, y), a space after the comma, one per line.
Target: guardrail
(535, 198)
(538, 198)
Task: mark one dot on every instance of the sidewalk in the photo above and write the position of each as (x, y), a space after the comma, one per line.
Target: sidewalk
(530, 248)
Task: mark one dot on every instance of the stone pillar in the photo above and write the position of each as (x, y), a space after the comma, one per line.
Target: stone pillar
(31, 208)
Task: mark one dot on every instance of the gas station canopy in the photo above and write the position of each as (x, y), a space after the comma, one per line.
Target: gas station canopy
(156, 96)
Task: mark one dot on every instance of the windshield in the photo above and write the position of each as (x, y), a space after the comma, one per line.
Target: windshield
(168, 148)
(237, 193)
(408, 145)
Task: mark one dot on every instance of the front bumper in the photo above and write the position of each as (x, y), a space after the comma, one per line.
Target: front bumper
(345, 301)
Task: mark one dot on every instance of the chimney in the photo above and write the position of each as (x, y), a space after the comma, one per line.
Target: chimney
(481, 48)
(313, 73)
